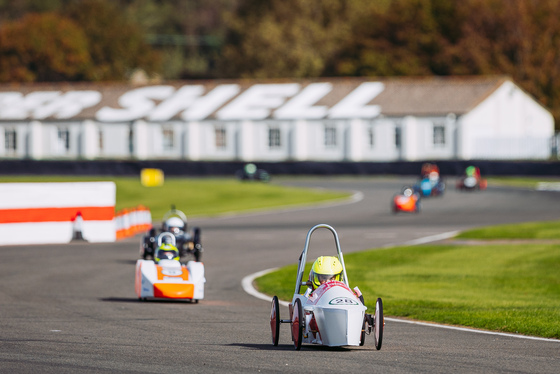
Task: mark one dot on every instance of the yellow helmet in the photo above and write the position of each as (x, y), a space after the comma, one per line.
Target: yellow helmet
(166, 252)
(325, 268)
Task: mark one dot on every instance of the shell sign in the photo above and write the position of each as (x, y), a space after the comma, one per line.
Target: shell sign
(197, 102)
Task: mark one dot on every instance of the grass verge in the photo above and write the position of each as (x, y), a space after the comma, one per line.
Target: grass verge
(200, 196)
(529, 230)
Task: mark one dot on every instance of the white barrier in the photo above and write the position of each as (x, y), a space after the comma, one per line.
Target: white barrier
(44, 213)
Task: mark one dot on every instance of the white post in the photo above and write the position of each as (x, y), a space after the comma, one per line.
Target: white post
(246, 141)
(35, 140)
(409, 139)
(89, 140)
(298, 140)
(355, 140)
(142, 147)
(193, 141)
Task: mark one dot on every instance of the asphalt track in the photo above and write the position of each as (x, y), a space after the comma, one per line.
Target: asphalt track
(72, 308)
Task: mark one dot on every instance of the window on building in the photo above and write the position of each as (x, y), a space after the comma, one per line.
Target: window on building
(274, 137)
(439, 135)
(63, 139)
(370, 137)
(330, 136)
(100, 138)
(398, 136)
(10, 141)
(168, 139)
(131, 140)
(220, 135)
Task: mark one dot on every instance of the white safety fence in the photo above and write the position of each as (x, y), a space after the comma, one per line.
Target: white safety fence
(46, 213)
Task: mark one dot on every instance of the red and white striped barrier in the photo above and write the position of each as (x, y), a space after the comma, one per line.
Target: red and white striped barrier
(44, 213)
(130, 222)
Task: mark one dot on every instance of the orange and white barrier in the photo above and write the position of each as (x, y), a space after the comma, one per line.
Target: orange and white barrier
(130, 222)
(46, 213)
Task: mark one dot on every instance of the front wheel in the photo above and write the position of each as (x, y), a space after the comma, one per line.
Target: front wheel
(275, 321)
(379, 323)
(297, 324)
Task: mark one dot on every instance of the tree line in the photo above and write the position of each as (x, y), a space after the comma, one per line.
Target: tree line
(104, 40)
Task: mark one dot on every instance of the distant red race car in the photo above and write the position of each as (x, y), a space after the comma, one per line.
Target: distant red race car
(406, 201)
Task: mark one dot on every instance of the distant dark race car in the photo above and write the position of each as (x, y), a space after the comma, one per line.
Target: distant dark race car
(174, 222)
(471, 180)
(250, 172)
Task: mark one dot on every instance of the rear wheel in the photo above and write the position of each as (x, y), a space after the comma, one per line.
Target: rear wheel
(378, 324)
(297, 324)
(364, 325)
(363, 336)
(275, 321)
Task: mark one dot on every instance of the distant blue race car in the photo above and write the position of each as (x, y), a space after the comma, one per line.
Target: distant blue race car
(427, 187)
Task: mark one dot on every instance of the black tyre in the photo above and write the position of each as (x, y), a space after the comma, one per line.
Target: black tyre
(363, 335)
(263, 176)
(297, 324)
(275, 321)
(364, 325)
(144, 247)
(196, 235)
(378, 324)
(197, 244)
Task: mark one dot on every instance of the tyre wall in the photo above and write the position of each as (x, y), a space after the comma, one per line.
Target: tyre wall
(199, 168)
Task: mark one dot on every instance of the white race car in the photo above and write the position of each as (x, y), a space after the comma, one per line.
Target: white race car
(169, 279)
(332, 315)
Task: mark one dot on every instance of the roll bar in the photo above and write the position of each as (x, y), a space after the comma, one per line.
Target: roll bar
(175, 213)
(303, 256)
(164, 234)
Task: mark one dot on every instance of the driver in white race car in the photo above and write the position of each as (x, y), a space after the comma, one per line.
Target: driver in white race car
(324, 269)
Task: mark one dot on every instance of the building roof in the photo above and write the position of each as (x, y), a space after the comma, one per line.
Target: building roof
(436, 96)
(420, 96)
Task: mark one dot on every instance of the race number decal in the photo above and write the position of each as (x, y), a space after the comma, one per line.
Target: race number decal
(172, 272)
(343, 301)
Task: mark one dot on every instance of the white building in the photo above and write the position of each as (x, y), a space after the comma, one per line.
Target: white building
(342, 119)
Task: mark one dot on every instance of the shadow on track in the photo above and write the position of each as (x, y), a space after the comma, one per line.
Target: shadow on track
(289, 347)
(126, 262)
(137, 300)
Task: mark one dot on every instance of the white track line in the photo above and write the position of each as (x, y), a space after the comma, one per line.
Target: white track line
(430, 239)
(247, 284)
(472, 330)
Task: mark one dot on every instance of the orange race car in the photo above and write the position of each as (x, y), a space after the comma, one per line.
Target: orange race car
(406, 201)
